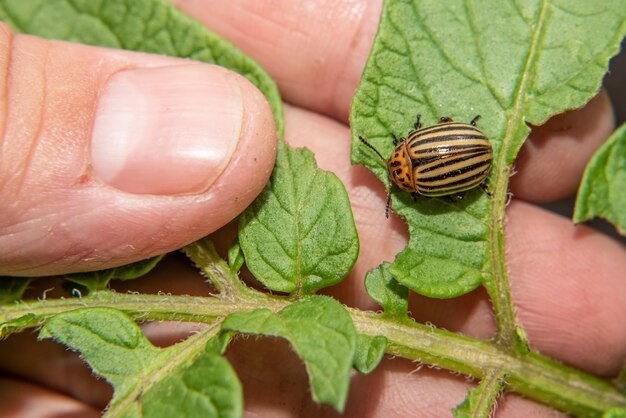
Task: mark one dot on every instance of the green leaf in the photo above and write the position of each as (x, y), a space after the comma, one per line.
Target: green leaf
(481, 401)
(369, 352)
(93, 280)
(384, 289)
(321, 332)
(299, 234)
(12, 288)
(17, 325)
(182, 380)
(602, 190)
(615, 413)
(154, 26)
(235, 257)
(513, 63)
(99, 280)
(208, 388)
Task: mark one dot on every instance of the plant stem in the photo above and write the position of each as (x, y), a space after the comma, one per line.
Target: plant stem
(528, 374)
(509, 334)
(209, 262)
(498, 287)
(482, 401)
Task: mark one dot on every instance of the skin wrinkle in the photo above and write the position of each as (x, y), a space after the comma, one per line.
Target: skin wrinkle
(331, 64)
(337, 60)
(6, 41)
(35, 139)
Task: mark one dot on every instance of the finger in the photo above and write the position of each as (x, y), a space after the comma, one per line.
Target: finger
(50, 365)
(316, 53)
(559, 290)
(109, 156)
(23, 400)
(568, 288)
(553, 158)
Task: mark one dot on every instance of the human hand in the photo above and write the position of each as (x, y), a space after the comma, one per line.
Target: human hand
(111, 156)
(569, 303)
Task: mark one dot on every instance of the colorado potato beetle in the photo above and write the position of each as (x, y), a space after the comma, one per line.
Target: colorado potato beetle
(443, 159)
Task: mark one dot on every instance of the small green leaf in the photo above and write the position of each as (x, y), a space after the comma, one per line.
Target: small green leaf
(17, 325)
(219, 343)
(481, 401)
(104, 337)
(206, 388)
(94, 280)
(235, 257)
(602, 190)
(99, 280)
(369, 352)
(384, 289)
(137, 269)
(321, 332)
(615, 413)
(187, 379)
(513, 63)
(154, 26)
(299, 235)
(258, 321)
(12, 288)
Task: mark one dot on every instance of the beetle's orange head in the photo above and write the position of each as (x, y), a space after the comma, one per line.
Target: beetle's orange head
(401, 169)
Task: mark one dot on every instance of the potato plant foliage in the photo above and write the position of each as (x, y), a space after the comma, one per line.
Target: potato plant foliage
(513, 62)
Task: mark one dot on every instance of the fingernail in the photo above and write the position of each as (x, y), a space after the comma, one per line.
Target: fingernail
(166, 130)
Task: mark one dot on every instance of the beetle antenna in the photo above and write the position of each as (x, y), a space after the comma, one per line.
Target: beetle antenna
(372, 147)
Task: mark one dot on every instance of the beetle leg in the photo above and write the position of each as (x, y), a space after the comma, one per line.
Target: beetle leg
(414, 196)
(473, 122)
(456, 197)
(396, 141)
(445, 119)
(388, 204)
(485, 189)
(418, 124)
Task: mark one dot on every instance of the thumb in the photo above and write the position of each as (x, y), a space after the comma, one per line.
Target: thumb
(109, 157)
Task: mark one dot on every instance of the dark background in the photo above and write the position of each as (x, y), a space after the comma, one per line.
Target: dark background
(615, 83)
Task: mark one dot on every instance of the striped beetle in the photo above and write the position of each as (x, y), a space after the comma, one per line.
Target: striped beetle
(443, 159)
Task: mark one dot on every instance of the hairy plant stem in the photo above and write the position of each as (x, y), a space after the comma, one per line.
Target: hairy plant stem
(498, 287)
(529, 374)
(485, 396)
(509, 334)
(212, 266)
